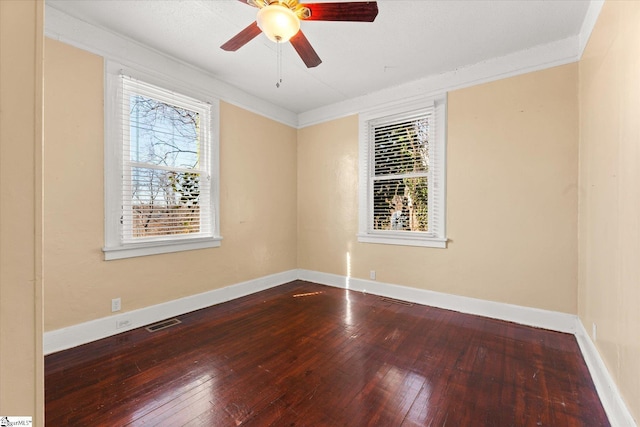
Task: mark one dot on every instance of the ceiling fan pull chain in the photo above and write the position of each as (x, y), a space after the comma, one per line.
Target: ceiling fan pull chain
(279, 54)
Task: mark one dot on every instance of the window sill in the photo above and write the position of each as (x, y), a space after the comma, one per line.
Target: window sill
(427, 242)
(155, 248)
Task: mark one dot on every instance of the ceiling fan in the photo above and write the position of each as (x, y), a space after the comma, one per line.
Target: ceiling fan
(280, 21)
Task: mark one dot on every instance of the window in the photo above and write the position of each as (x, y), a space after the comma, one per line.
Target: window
(160, 177)
(402, 174)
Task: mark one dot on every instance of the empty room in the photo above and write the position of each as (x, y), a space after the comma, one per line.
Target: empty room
(359, 213)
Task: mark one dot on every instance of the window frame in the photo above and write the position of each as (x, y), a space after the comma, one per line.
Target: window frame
(114, 246)
(436, 236)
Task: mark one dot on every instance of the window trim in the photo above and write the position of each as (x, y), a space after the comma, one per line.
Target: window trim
(437, 209)
(114, 247)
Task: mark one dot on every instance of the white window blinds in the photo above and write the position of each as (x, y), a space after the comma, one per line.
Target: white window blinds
(166, 176)
(402, 173)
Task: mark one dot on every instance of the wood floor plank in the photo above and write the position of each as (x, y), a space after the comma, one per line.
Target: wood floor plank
(309, 355)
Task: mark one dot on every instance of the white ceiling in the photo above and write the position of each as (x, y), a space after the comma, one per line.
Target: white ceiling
(410, 40)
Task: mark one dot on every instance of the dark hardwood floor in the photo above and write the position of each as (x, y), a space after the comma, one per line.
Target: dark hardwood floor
(303, 354)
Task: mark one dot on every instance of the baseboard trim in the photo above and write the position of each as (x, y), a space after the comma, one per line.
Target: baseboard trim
(608, 392)
(617, 411)
(546, 319)
(83, 333)
(614, 406)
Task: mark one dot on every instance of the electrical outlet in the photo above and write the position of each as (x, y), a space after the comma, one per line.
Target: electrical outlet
(124, 323)
(116, 304)
(372, 275)
(594, 331)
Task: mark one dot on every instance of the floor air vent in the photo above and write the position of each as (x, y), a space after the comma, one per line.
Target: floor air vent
(163, 325)
(396, 301)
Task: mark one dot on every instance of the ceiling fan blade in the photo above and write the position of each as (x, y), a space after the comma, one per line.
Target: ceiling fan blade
(242, 38)
(303, 47)
(362, 11)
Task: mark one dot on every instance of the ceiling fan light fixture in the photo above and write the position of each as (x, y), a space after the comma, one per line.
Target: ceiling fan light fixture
(278, 23)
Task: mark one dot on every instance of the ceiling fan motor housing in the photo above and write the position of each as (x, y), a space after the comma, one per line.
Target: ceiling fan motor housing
(278, 22)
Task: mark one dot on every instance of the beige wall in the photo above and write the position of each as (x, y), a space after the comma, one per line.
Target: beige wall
(21, 362)
(511, 198)
(609, 215)
(258, 175)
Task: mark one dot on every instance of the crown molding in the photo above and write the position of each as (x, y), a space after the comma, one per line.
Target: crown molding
(70, 30)
(590, 19)
(75, 32)
(537, 58)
